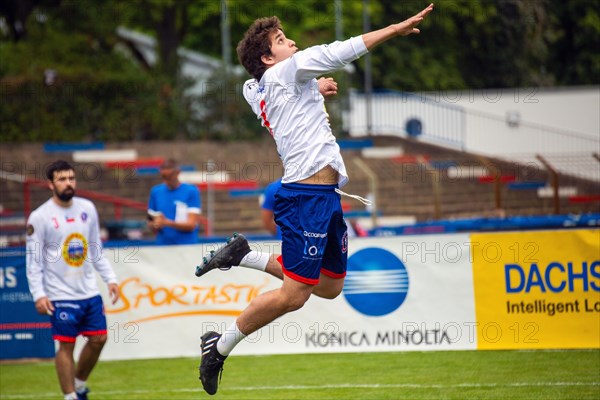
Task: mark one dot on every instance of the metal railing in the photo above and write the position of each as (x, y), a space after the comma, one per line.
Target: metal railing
(393, 112)
(118, 202)
(491, 134)
(372, 177)
(438, 122)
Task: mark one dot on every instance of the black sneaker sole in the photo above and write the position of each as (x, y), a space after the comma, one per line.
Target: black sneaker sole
(227, 256)
(210, 386)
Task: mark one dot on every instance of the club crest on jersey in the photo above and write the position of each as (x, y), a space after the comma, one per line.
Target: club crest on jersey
(84, 216)
(75, 248)
(345, 242)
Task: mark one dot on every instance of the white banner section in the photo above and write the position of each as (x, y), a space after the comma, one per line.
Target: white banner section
(400, 293)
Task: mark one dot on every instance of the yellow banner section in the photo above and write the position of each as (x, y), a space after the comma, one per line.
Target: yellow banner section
(537, 290)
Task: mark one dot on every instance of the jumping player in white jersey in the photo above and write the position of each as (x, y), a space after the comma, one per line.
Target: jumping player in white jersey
(63, 249)
(307, 207)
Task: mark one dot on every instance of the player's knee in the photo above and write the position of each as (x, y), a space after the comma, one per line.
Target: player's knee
(296, 302)
(329, 288)
(66, 347)
(331, 293)
(97, 340)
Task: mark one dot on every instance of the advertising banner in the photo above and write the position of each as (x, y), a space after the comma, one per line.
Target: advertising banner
(401, 293)
(521, 290)
(23, 332)
(537, 289)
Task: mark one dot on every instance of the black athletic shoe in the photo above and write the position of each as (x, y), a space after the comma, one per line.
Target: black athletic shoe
(211, 364)
(226, 256)
(83, 395)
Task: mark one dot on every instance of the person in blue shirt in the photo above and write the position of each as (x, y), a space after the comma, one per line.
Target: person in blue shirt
(267, 204)
(174, 208)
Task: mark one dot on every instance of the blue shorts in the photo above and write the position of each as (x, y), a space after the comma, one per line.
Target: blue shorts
(313, 231)
(78, 317)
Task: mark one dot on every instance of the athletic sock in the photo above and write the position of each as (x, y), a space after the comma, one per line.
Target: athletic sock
(80, 385)
(229, 339)
(255, 260)
(71, 396)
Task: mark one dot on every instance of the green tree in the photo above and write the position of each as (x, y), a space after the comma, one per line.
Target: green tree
(65, 73)
(70, 79)
(574, 37)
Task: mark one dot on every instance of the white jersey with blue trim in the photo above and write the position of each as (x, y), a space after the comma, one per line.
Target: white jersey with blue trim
(289, 105)
(63, 249)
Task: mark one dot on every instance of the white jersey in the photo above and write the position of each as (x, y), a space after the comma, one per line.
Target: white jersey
(289, 105)
(63, 248)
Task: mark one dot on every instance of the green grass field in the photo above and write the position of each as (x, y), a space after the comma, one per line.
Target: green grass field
(570, 374)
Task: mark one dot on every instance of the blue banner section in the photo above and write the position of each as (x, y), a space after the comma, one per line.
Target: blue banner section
(23, 332)
(492, 225)
(356, 144)
(69, 147)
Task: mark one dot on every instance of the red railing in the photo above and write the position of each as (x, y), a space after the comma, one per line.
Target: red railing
(117, 202)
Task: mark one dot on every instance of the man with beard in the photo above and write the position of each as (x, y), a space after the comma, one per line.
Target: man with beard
(63, 249)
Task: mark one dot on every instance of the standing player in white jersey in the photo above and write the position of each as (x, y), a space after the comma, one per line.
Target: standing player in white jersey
(63, 249)
(307, 207)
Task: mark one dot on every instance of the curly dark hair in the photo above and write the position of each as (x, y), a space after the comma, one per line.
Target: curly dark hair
(57, 166)
(255, 44)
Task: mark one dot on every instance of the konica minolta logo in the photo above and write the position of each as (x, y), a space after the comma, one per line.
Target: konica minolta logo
(376, 282)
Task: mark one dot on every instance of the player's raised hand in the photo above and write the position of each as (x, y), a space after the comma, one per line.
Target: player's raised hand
(409, 26)
(405, 28)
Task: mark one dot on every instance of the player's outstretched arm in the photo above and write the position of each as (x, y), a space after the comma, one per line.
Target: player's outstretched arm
(404, 28)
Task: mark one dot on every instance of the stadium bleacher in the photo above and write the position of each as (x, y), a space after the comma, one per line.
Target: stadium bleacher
(417, 181)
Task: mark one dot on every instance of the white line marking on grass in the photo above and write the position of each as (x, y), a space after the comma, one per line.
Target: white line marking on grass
(412, 386)
(318, 387)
